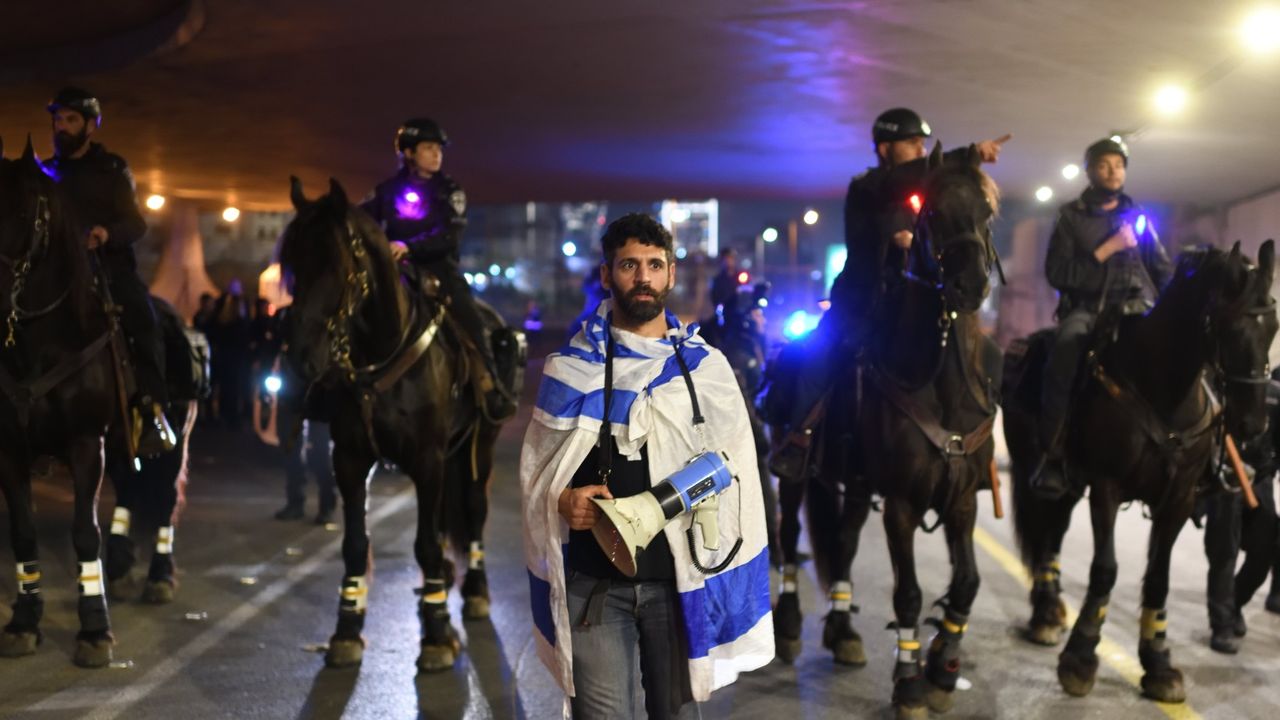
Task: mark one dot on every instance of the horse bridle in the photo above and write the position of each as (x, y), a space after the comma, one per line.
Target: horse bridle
(21, 268)
(354, 292)
(1257, 375)
(931, 255)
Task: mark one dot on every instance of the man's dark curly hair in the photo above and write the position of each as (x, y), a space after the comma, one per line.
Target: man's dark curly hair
(640, 226)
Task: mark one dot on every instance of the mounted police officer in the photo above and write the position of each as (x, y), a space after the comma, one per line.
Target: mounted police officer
(100, 190)
(1103, 254)
(877, 235)
(423, 212)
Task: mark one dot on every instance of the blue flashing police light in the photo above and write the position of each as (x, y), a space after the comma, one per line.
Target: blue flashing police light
(799, 324)
(569, 248)
(1140, 226)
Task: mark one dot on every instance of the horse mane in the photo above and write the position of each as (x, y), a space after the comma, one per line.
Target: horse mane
(952, 173)
(315, 241)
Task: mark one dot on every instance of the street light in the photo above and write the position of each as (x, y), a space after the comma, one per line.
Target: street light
(770, 234)
(1071, 172)
(811, 217)
(1171, 99)
(231, 214)
(155, 202)
(1044, 194)
(1260, 32)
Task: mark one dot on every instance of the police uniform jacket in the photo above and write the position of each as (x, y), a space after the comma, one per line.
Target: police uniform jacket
(431, 225)
(1133, 275)
(101, 191)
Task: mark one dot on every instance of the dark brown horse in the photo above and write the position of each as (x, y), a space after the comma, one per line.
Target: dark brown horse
(60, 395)
(1142, 426)
(912, 423)
(395, 385)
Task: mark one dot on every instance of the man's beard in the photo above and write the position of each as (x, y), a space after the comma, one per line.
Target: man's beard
(67, 144)
(642, 311)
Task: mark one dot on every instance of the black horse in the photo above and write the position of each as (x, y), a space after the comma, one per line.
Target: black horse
(155, 492)
(396, 386)
(917, 414)
(1142, 427)
(60, 394)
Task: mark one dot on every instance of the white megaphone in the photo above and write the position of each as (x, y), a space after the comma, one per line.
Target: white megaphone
(629, 524)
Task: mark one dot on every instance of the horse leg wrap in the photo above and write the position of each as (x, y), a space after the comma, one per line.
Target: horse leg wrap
(28, 607)
(433, 610)
(789, 575)
(120, 520)
(350, 625)
(1047, 578)
(1088, 629)
(1153, 650)
(475, 558)
(161, 569)
(28, 578)
(93, 614)
(91, 578)
(164, 540)
(943, 666)
(908, 664)
(120, 556)
(841, 596)
(354, 595)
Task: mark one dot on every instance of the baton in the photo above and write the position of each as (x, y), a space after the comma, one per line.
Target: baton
(995, 491)
(1246, 487)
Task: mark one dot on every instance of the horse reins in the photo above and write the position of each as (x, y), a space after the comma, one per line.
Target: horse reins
(21, 268)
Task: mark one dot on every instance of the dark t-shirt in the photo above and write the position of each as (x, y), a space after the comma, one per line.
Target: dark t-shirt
(627, 478)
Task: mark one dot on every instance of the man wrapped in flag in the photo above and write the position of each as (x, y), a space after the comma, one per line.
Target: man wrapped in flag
(637, 406)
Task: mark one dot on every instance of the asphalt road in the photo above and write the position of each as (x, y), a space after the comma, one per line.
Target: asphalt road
(258, 596)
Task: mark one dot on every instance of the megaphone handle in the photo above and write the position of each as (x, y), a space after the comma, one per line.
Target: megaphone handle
(705, 517)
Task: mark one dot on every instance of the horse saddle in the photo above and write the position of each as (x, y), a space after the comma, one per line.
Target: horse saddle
(509, 347)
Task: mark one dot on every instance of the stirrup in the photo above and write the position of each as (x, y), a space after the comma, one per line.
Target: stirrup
(152, 435)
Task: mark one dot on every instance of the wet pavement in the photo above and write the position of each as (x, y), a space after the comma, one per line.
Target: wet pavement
(258, 600)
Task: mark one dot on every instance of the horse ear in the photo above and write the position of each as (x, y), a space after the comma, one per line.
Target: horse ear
(1235, 250)
(337, 194)
(295, 193)
(1267, 261)
(28, 152)
(935, 157)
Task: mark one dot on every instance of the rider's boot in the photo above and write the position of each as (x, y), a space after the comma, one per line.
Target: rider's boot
(788, 460)
(1048, 482)
(152, 434)
(499, 403)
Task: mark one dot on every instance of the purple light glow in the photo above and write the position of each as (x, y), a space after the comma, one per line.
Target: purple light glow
(410, 205)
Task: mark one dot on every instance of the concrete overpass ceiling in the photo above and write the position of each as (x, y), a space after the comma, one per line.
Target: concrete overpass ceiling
(221, 100)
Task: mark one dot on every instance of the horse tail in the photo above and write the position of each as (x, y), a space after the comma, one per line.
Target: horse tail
(1028, 515)
(466, 488)
(822, 515)
(453, 510)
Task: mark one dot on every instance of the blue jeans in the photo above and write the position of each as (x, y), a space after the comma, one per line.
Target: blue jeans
(639, 634)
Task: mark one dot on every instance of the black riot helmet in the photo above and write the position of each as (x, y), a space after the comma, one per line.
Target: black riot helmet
(899, 124)
(78, 99)
(419, 130)
(1106, 146)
